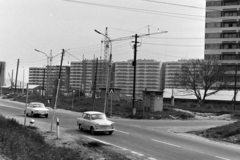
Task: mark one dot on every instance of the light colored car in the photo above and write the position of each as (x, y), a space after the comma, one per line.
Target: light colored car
(36, 109)
(95, 122)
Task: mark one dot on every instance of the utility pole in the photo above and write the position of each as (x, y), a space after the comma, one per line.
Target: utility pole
(16, 77)
(43, 81)
(23, 80)
(134, 64)
(59, 80)
(95, 84)
(12, 84)
(107, 84)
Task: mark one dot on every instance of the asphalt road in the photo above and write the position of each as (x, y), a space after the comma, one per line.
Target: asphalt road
(155, 139)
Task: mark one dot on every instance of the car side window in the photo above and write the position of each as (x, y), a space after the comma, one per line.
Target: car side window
(86, 116)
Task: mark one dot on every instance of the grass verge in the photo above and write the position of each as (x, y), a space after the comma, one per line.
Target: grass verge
(19, 142)
(229, 133)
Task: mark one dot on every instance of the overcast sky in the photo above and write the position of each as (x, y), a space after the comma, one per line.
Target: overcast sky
(57, 24)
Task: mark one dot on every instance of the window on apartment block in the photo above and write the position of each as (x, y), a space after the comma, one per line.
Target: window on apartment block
(230, 13)
(230, 35)
(212, 46)
(213, 25)
(230, 24)
(212, 35)
(229, 67)
(212, 57)
(230, 3)
(229, 57)
(229, 46)
(213, 3)
(213, 14)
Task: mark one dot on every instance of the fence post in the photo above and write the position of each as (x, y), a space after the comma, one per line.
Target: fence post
(58, 132)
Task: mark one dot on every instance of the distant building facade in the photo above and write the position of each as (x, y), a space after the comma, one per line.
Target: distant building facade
(38, 76)
(170, 69)
(82, 75)
(222, 35)
(148, 76)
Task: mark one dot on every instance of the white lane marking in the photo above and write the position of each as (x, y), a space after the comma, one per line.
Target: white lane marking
(122, 131)
(188, 149)
(222, 158)
(166, 143)
(150, 158)
(141, 155)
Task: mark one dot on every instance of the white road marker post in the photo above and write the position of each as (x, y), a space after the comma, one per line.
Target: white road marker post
(32, 123)
(58, 132)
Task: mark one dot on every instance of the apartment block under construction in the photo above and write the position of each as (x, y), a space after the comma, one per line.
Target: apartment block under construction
(83, 75)
(149, 76)
(47, 77)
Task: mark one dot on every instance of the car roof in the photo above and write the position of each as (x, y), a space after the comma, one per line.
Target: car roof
(93, 112)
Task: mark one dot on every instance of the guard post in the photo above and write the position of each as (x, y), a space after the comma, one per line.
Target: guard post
(58, 132)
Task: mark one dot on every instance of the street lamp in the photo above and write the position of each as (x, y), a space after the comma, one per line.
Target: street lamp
(47, 69)
(109, 71)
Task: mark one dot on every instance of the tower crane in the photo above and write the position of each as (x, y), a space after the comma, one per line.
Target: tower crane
(134, 63)
(11, 80)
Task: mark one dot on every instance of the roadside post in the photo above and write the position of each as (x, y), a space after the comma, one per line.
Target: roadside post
(55, 105)
(32, 123)
(111, 92)
(58, 132)
(25, 114)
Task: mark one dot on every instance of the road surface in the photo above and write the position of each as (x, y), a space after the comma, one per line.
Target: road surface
(156, 139)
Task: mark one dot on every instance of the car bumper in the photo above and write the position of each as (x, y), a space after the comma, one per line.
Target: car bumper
(104, 130)
(40, 114)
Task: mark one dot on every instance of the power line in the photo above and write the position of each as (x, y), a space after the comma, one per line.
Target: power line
(72, 55)
(169, 14)
(190, 38)
(174, 4)
(174, 45)
(181, 5)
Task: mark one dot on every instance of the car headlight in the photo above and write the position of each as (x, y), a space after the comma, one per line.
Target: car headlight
(96, 126)
(112, 126)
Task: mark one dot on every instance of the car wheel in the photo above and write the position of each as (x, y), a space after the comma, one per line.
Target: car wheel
(92, 131)
(80, 127)
(110, 132)
(46, 115)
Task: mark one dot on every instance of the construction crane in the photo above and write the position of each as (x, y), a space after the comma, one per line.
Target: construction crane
(134, 63)
(11, 80)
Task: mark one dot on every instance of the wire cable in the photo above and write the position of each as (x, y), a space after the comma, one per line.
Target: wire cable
(169, 14)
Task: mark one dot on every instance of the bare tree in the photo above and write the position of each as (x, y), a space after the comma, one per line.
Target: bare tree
(202, 75)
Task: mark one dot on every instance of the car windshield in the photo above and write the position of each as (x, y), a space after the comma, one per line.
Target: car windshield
(37, 105)
(98, 116)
